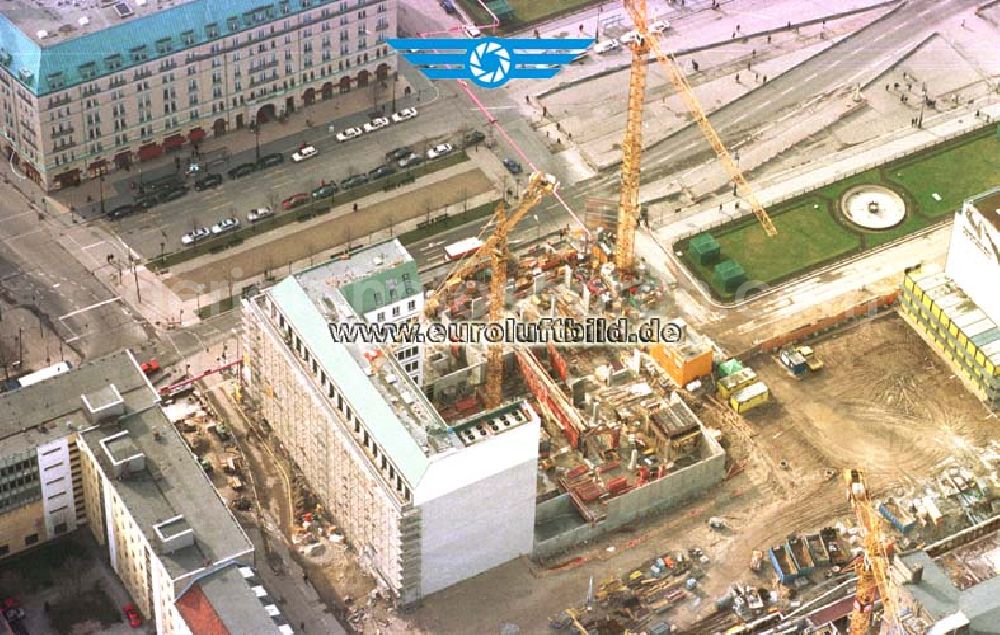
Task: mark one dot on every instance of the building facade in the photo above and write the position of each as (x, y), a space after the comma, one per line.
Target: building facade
(86, 90)
(425, 504)
(957, 310)
(92, 448)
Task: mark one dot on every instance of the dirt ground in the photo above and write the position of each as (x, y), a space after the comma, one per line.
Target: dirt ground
(340, 227)
(885, 402)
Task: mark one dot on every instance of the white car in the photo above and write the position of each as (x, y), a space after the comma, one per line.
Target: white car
(349, 133)
(259, 213)
(225, 225)
(660, 26)
(630, 37)
(404, 114)
(376, 124)
(607, 46)
(472, 30)
(439, 150)
(305, 152)
(197, 235)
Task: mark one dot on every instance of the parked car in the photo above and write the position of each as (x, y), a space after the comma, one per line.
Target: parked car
(303, 153)
(382, 170)
(123, 210)
(225, 225)
(295, 200)
(349, 133)
(353, 181)
(411, 160)
(439, 150)
(271, 160)
(325, 191)
(404, 114)
(197, 235)
(376, 124)
(449, 7)
(173, 194)
(398, 153)
(606, 46)
(133, 615)
(514, 167)
(473, 137)
(150, 367)
(242, 170)
(259, 213)
(472, 30)
(659, 26)
(630, 37)
(192, 169)
(207, 181)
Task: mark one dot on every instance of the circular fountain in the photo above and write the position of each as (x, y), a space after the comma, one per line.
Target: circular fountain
(873, 207)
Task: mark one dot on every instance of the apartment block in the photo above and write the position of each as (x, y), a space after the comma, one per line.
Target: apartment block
(86, 88)
(426, 504)
(92, 448)
(957, 310)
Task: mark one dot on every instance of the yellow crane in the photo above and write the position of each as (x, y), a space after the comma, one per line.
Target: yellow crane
(628, 212)
(872, 568)
(495, 247)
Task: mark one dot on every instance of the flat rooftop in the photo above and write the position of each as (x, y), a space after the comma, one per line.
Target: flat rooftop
(973, 563)
(237, 606)
(50, 410)
(65, 19)
(171, 484)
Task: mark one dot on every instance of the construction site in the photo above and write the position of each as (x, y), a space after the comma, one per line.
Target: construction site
(801, 476)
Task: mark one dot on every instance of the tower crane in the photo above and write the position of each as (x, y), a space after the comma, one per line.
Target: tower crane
(872, 568)
(628, 212)
(494, 247)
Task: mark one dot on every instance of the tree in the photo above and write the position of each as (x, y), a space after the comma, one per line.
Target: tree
(70, 576)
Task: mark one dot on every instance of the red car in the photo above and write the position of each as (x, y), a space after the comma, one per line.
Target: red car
(133, 615)
(150, 367)
(294, 201)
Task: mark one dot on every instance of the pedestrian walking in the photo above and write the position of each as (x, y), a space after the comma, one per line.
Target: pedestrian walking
(768, 38)
(737, 78)
(765, 79)
(748, 65)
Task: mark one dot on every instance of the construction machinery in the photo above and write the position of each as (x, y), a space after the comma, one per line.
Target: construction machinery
(628, 212)
(495, 247)
(872, 568)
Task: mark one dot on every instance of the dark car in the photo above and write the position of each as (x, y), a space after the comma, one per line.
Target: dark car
(353, 181)
(295, 200)
(271, 160)
(474, 137)
(172, 194)
(242, 170)
(380, 171)
(325, 191)
(122, 211)
(514, 167)
(399, 153)
(207, 181)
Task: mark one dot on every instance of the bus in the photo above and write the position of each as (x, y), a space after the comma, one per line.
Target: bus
(463, 248)
(43, 374)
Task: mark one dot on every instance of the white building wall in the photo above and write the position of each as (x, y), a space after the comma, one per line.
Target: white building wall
(56, 476)
(411, 308)
(477, 508)
(974, 260)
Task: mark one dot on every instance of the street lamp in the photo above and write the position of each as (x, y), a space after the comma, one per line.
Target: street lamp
(256, 135)
(100, 184)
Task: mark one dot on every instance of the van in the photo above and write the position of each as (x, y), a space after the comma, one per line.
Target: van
(449, 7)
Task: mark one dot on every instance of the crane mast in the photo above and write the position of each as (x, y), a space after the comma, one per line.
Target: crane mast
(872, 568)
(637, 11)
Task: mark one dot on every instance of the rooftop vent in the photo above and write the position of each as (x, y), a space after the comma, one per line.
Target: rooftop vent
(123, 454)
(124, 10)
(173, 534)
(104, 404)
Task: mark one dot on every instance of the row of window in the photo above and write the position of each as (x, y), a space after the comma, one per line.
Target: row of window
(336, 398)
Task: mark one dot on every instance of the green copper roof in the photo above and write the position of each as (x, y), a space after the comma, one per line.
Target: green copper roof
(139, 40)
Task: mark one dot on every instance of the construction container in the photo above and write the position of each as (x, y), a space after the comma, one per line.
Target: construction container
(897, 516)
(684, 361)
(794, 362)
(729, 367)
(748, 398)
(729, 275)
(817, 549)
(800, 555)
(617, 485)
(812, 361)
(736, 381)
(705, 249)
(781, 560)
(756, 559)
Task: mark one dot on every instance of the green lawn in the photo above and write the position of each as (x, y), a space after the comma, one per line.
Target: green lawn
(811, 231)
(526, 12)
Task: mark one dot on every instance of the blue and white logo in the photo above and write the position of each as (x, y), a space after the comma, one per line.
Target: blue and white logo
(490, 62)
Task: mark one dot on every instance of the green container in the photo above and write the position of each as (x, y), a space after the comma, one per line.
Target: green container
(729, 367)
(729, 275)
(705, 249)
